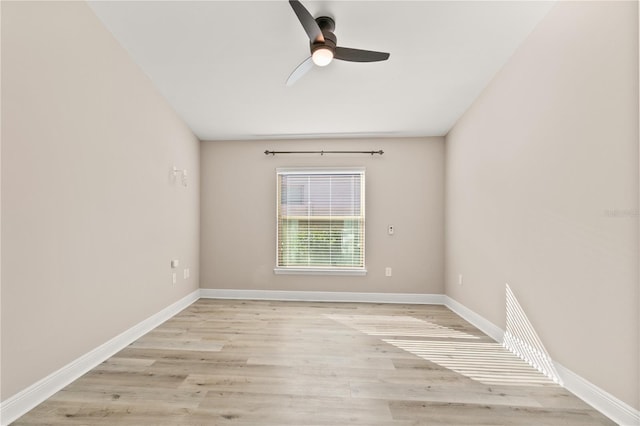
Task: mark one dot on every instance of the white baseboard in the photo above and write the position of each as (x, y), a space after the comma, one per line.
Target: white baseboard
(599, 399)
(487, 327)
(323, 296)
(25, 400)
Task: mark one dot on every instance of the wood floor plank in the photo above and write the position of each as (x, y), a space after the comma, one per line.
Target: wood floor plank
(124, 364)
(118, 395)
(438, 393)
(181, 344)
(231, 362)
(305, 386)
(485, 414)
(295, 409)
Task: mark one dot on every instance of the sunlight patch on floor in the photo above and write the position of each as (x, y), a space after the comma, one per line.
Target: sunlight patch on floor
(521, 339)
(486, 362)
(398, 325)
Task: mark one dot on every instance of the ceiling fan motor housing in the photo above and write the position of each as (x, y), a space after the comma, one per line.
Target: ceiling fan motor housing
(327, 26)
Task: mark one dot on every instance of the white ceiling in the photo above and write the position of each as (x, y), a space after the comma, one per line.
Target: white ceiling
(222, 65)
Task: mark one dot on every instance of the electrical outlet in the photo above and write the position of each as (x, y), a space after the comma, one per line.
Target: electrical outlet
(387, 271)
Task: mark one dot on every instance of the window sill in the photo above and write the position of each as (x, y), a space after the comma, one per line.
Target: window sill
(320, 271)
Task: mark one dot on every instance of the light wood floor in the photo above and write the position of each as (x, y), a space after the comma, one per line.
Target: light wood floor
(293, 363)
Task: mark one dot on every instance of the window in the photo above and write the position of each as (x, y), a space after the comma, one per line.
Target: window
(320, 221)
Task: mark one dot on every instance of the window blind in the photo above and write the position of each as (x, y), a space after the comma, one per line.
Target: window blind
(321, 220)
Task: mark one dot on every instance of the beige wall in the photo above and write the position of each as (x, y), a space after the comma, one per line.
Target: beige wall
(404, 188)
(90, 220)
(542, 192)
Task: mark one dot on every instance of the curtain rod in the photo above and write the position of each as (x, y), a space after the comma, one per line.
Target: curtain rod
(379, 152)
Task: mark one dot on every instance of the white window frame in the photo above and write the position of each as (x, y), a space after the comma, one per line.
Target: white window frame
(284, 270)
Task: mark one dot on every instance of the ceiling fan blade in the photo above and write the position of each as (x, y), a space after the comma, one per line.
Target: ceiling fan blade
(308, 22)
(359, 55)
(300, 70)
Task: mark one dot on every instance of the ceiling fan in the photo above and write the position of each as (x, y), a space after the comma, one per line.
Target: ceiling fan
(323, 44)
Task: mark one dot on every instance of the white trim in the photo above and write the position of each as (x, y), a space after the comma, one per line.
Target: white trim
(320, 271)
(321, 170)
(22, 402)
(323, 296)
(484, 325)
(599, 399)
(355, 270)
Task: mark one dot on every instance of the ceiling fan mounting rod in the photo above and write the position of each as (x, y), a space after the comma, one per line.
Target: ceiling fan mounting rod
(326, 23)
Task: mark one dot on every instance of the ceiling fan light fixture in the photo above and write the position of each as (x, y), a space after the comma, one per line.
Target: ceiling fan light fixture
(322, 56)
(323, 44)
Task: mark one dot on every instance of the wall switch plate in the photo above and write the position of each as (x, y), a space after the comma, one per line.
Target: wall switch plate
(459, 279)
(174, 277)
(387, 271)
